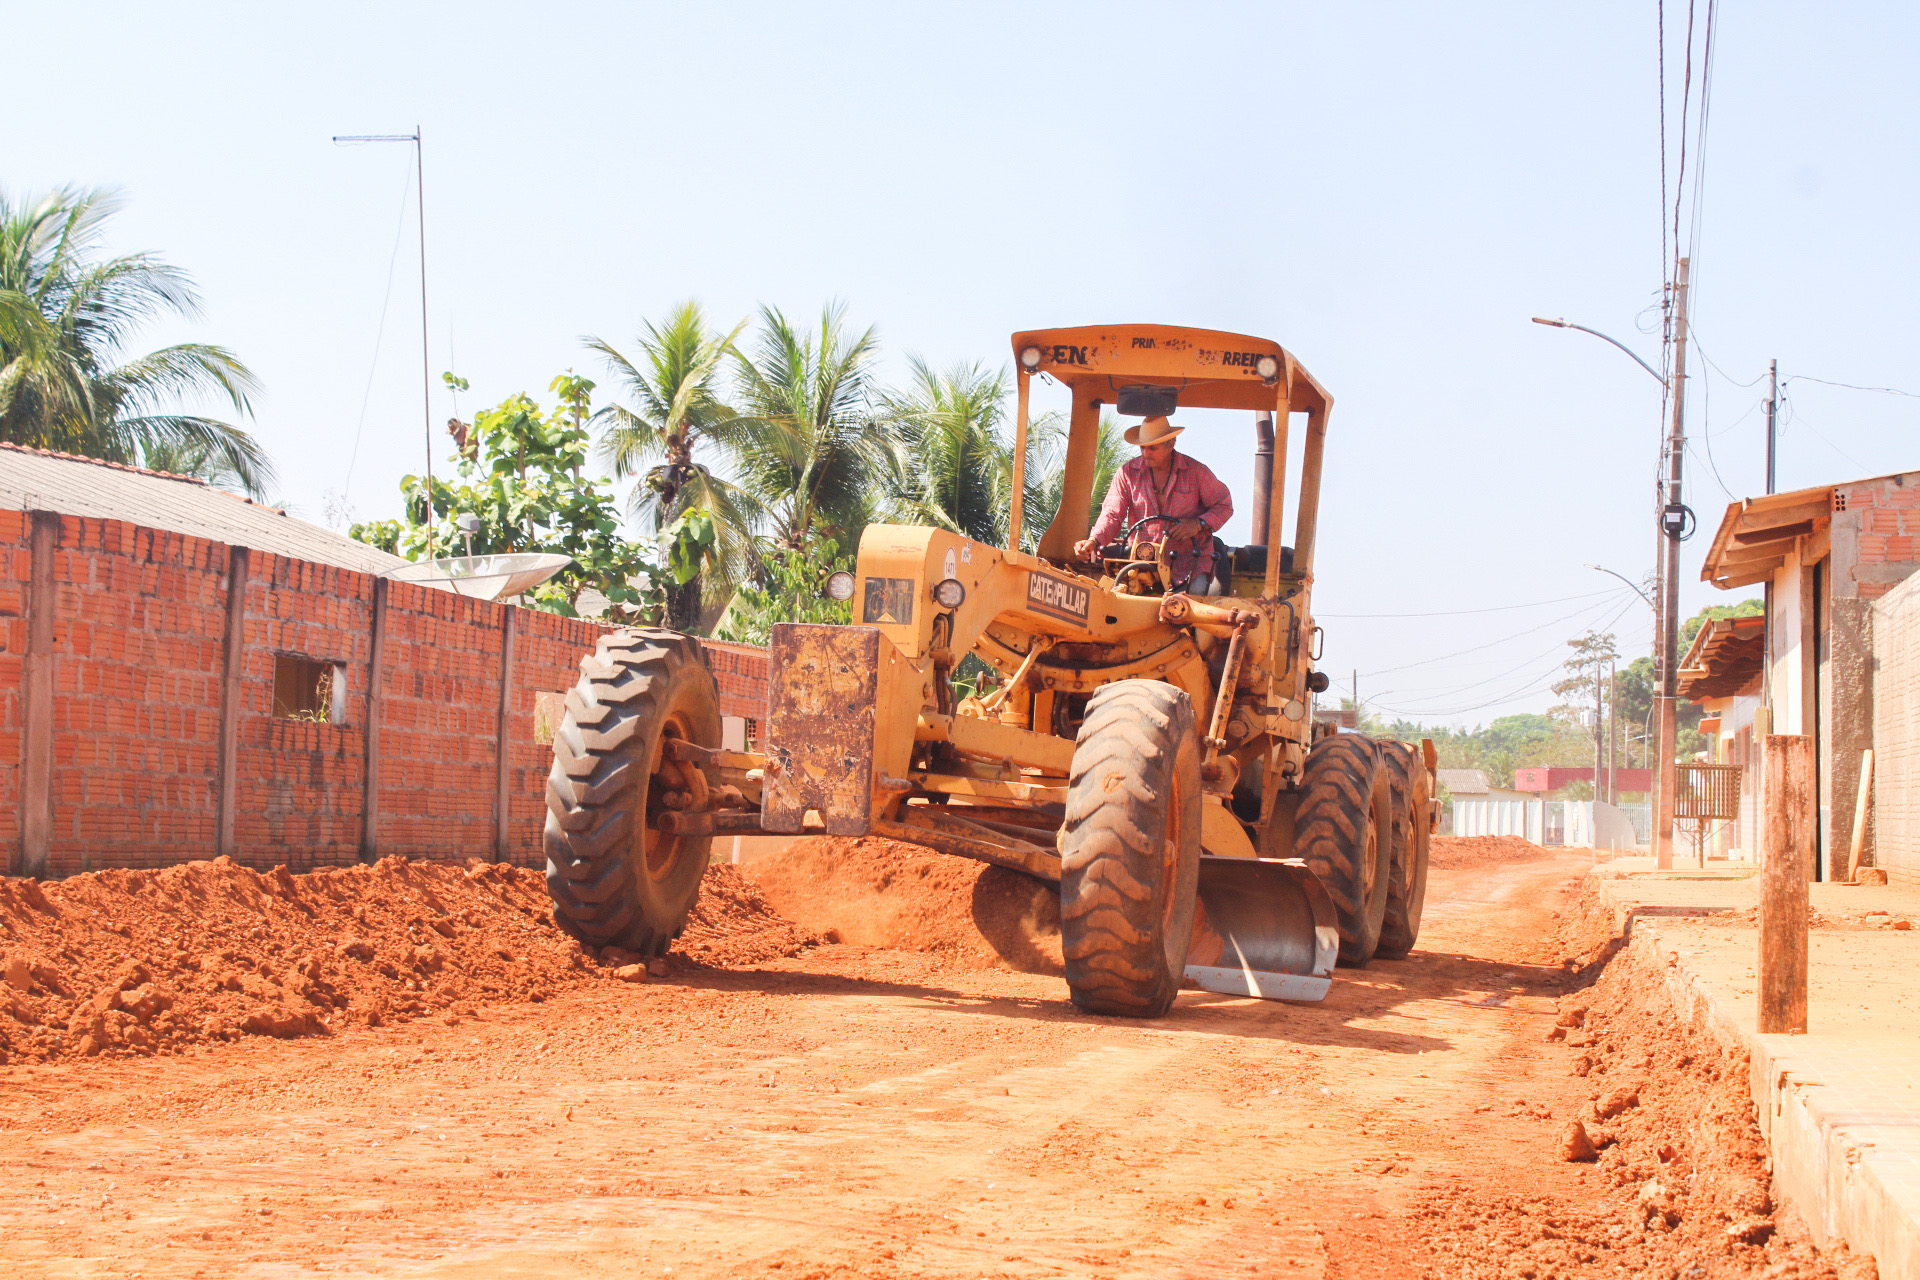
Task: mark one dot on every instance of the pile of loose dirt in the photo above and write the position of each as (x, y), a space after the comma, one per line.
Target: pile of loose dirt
(147, 961)
(733, 924)
(875, 892)
(1481, 851)
(144, 962)
(1668, 1124)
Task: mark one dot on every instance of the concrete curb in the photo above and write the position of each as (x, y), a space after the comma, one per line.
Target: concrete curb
(1846, 1160)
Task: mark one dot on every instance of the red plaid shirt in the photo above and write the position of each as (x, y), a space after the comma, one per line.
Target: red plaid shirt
(1192, 493)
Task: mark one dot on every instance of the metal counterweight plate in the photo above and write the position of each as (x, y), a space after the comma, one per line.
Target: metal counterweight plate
(1264, 927)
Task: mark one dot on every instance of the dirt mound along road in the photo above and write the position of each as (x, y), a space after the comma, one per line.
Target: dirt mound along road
(144, 962)
(1481, 851)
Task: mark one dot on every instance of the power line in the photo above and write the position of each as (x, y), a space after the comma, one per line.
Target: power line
(1885, 391)
(1453, 613)
(1613, 594)
(1533, 685)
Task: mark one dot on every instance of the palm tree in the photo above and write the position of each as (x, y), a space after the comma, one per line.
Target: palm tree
(1046, 473)
(674, 412)
(66, 314)
(951, 468)
(811, 447)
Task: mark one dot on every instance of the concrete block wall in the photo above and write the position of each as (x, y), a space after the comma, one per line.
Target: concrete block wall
(129, 757)
(1895, 824)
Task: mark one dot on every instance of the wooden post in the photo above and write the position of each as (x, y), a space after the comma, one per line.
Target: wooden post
(1788, 765)
(36, 744)
(1861, 803)
(235, 661)
(376, 666)
(502, 851)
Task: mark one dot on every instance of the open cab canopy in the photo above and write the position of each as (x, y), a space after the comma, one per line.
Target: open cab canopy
(1147, 370)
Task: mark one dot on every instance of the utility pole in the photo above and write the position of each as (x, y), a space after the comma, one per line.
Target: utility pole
(1599, 729)
(420, 207)
(1356, 699)
(1613, 730)
(1673, 520)
(1773, 400)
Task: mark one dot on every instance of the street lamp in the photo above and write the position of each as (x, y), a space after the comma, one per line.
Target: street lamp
(420, 206)
(1629, 581)
(1675, 520)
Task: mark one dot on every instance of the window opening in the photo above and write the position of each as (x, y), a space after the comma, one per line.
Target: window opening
(309, 690)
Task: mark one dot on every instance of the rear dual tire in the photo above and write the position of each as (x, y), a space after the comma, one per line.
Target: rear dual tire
(1344, 831)
(1411, 788)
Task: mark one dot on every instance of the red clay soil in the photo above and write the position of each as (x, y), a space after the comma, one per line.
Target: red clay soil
(1482, 851)
(875, 892)
(771, 1107)
(147, 962)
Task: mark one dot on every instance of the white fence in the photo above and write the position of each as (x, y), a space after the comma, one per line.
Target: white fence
(1581, 824)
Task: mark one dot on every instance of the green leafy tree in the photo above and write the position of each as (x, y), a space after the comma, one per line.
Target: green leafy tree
(812, 446)
(673, 414)
(521, 474)
(792, 588)
(67, 313)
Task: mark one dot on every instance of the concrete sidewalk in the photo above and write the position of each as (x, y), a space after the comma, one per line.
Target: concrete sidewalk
(1840, 1105)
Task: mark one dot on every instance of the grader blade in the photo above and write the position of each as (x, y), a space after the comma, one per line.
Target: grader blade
(1262, 927)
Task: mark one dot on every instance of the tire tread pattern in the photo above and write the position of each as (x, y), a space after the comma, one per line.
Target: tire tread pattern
(1340, 785)
(595, 787)
(1113, 844)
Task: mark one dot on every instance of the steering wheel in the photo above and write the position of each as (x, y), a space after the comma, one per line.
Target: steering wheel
(1125, 540)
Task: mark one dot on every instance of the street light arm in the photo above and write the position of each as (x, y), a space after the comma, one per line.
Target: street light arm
(1629, 581)
(1656, 375)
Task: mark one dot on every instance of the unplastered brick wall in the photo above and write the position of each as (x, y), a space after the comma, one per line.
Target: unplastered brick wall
(136, 634)
(1886, 512)
(299, 794)
(136, 643)
(15, 552)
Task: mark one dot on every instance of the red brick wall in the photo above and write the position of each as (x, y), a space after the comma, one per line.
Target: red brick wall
(1889, 516)
(546, 659)
(298, 795)
(136, 695)
(139, 650)
(741, 670)
(15, 570)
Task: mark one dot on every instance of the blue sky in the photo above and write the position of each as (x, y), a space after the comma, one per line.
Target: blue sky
(1391, 191)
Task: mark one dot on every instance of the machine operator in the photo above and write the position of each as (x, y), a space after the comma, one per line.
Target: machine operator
(1169, 485)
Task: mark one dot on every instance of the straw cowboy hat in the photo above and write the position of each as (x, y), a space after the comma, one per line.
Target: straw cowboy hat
(1152, 431)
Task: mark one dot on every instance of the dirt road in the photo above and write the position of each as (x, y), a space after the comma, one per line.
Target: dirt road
(862, 1112)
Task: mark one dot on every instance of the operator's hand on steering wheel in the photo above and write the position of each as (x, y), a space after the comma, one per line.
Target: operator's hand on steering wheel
(1186, 530)
(1086, 549)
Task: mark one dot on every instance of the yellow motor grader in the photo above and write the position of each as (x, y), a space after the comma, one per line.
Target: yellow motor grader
(1150, 748)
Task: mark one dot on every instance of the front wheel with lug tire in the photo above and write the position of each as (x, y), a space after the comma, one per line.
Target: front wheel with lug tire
(613, 878)
(1130, 849)
(1344, 830)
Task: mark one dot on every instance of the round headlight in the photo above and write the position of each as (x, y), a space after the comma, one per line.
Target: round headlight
(1030, 358)
(840, 586)
(948, 593)
(1267, 367)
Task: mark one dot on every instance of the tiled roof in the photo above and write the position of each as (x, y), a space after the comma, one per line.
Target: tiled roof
(41, 480)
(1463, 782)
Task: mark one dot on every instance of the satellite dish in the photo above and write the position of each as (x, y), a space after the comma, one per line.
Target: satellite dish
(482, 577)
